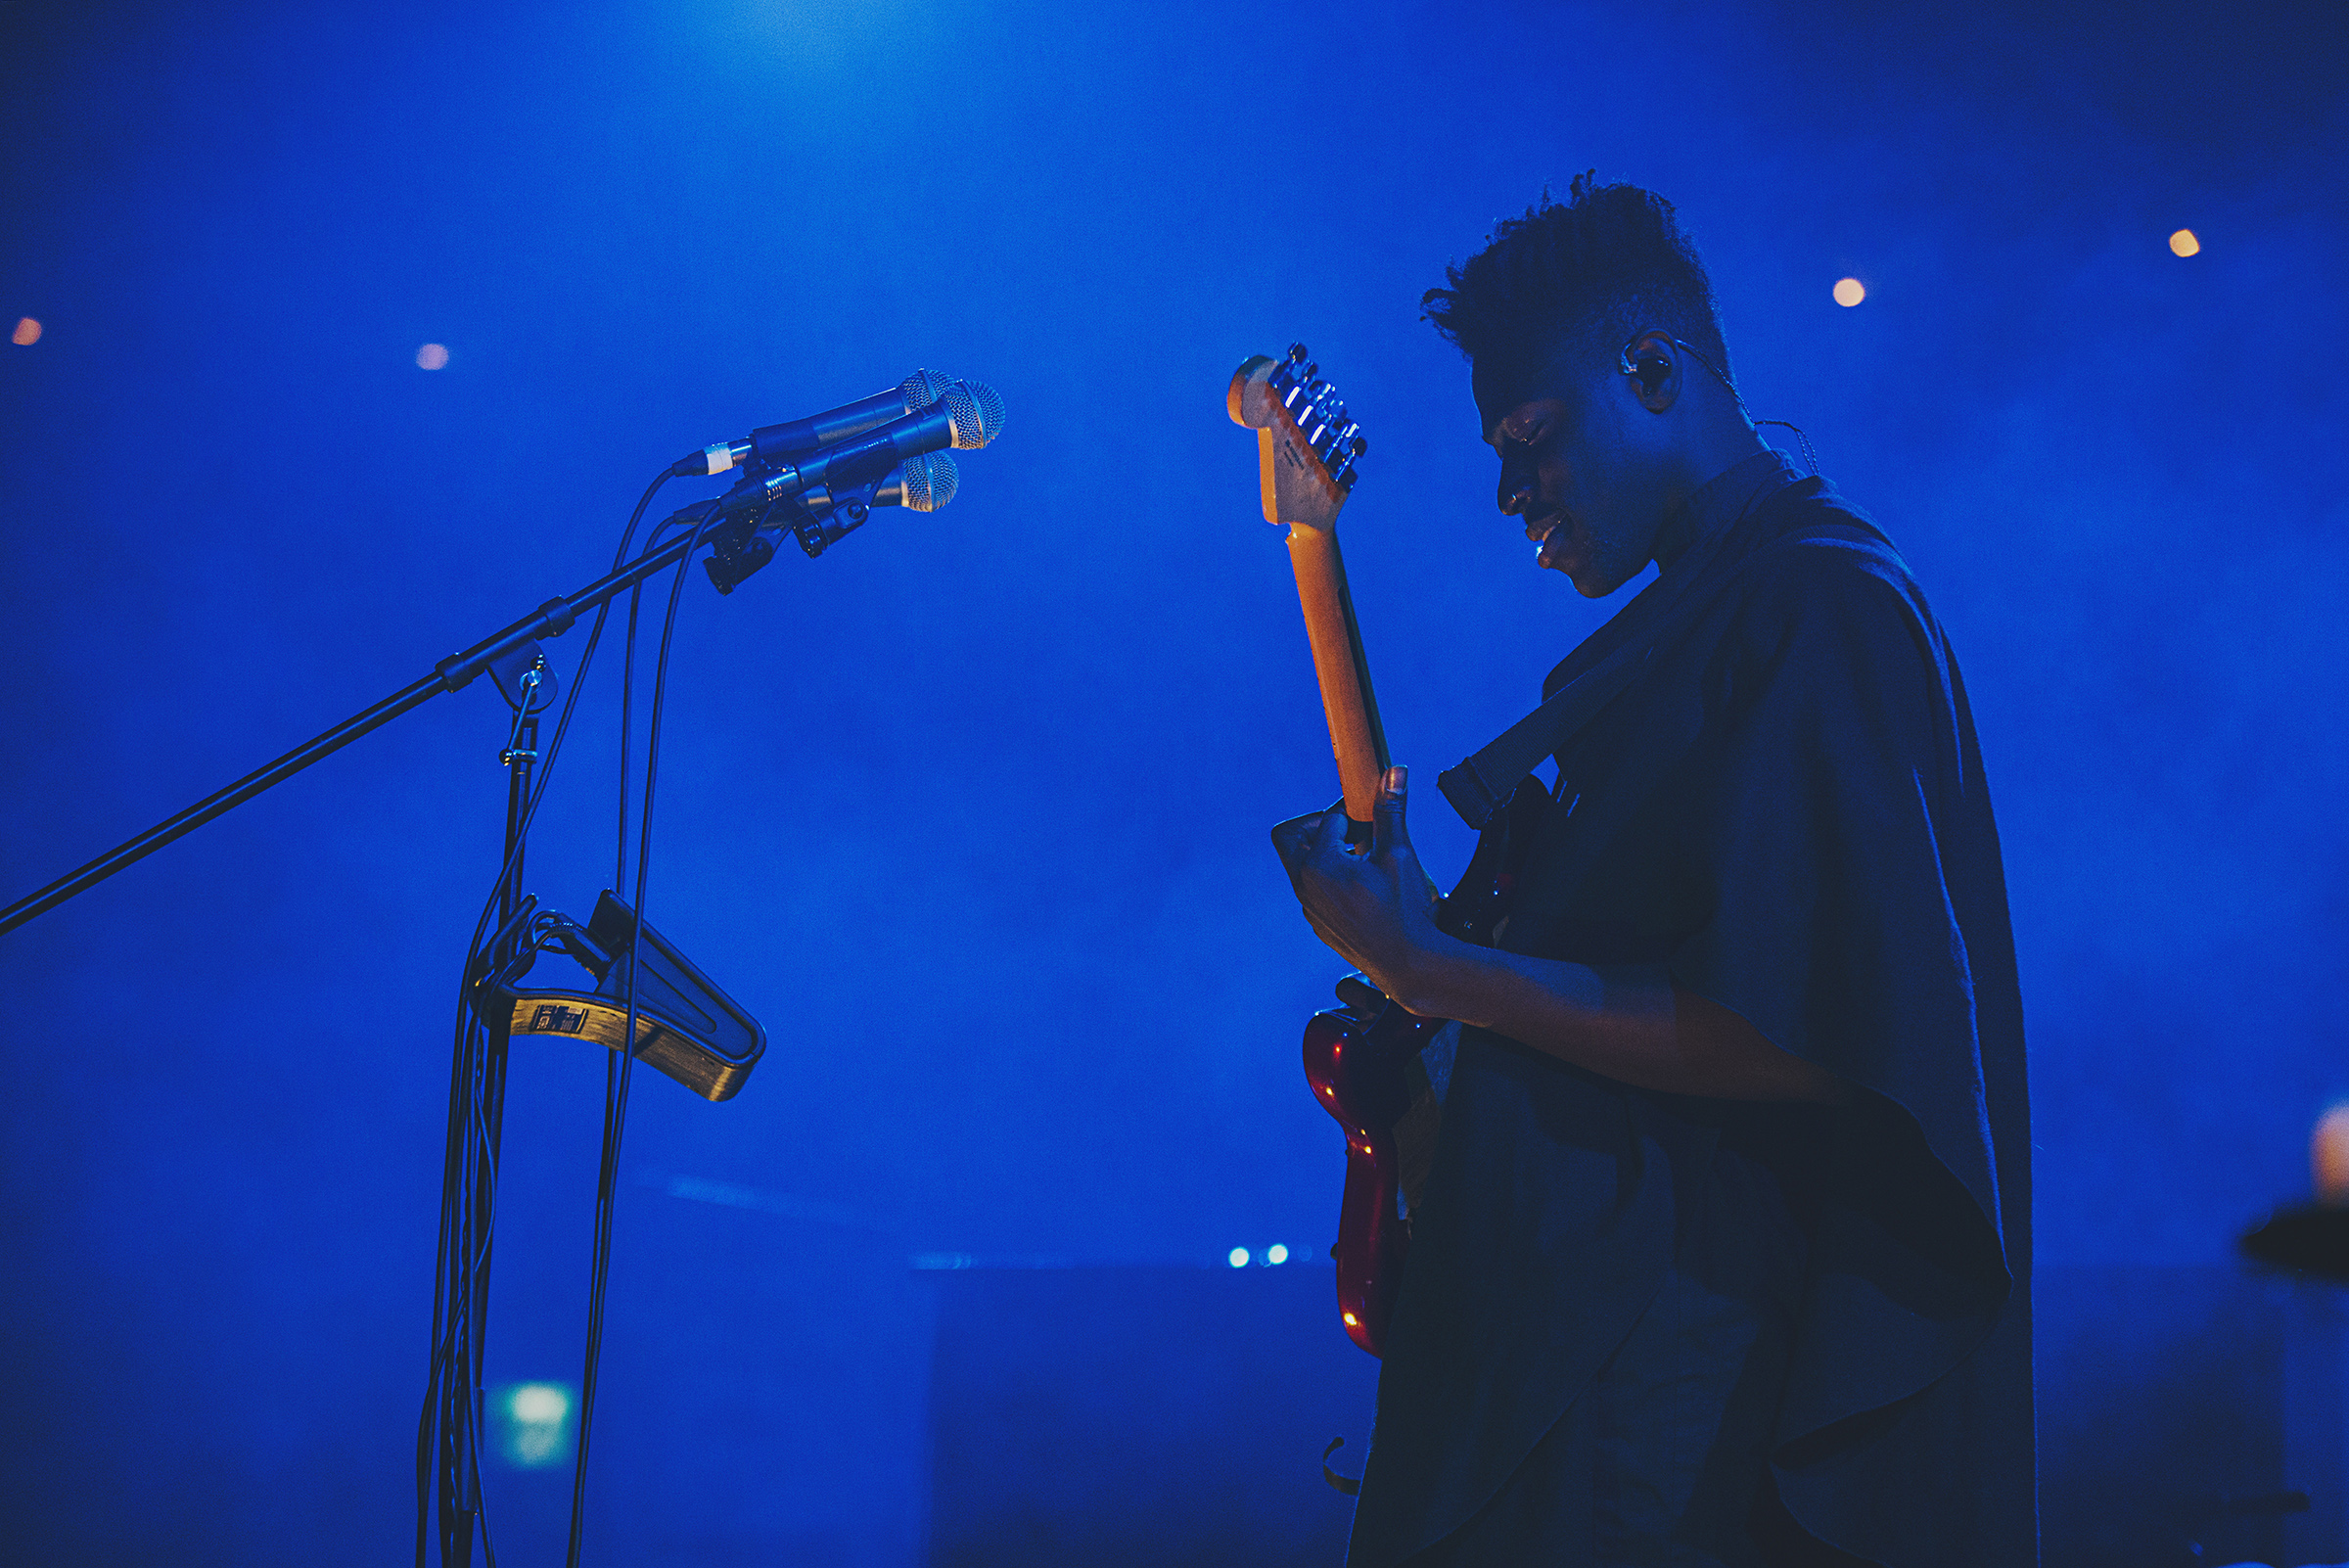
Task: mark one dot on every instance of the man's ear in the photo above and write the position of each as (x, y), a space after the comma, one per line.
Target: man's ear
(1652, 361)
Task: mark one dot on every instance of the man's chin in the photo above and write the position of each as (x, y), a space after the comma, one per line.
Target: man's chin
(1591, 582)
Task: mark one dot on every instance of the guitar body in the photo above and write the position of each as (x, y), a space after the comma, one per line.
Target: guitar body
(1357, 1058)
(1361, 1059)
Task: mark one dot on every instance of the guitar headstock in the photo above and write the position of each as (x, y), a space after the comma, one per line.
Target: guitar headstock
(1306, 446)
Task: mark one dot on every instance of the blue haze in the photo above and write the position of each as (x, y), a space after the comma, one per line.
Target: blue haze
(971, 811)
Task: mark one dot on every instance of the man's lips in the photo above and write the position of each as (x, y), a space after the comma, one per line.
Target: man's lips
(1550, 533)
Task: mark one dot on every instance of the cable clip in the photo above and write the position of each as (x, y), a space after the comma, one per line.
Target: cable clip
(514, 751)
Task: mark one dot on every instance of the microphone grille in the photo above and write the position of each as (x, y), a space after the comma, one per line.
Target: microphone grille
(977, 412)
(922, 388)
(931, 481)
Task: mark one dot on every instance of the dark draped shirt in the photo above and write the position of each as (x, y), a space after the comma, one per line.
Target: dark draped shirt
(1787, 811)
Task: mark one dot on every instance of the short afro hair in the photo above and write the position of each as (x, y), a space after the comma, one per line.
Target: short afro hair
(1588, 272)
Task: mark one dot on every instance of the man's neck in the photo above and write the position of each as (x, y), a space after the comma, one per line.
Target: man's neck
(1683, 521)
(1721, 449)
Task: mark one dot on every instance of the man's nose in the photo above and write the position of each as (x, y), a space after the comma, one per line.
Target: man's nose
(1515, 495)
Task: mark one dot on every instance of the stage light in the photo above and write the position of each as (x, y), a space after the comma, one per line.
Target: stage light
(27, 333)
(535, 1418)
(1276, 1254)
(538, 1403)
(2329, 1155)
(1850, 292)
(2184, 243)
(432, 356)
(1237, 1258)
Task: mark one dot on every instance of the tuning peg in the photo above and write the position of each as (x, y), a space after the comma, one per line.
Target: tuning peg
(1361, 447)
(1297, 353)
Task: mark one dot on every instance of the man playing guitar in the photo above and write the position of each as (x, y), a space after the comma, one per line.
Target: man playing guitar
(1723, 1258)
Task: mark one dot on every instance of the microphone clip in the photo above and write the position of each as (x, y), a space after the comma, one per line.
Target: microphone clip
(818, 518)
(739, 547)
(841, 515)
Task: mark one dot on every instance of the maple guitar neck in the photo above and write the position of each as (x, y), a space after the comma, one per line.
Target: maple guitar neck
(1305, 451)
(1355, 736)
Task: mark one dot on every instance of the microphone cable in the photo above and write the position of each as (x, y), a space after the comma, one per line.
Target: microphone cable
(617, 1067)
(469, 1168)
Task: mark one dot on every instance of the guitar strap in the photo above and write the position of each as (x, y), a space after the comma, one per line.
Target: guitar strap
(1478, 786)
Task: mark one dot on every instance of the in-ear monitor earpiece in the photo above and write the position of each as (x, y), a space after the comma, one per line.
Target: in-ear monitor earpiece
(1651, 370)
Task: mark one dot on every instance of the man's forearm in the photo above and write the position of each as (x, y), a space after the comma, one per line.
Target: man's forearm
(1628, 1023)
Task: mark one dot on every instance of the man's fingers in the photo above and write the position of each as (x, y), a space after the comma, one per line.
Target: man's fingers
(1329, 833)
(1300, 838)
(1388, 832)
(1290, 838)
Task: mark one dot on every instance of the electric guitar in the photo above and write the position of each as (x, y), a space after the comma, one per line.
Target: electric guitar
(1362, 1058)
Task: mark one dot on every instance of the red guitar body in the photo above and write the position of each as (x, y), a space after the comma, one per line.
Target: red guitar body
(1359, 1059)
(1356, 1059)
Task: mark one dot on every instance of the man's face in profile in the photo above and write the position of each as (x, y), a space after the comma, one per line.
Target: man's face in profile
(1569, 471)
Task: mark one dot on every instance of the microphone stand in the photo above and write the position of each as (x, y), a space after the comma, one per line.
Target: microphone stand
(450, 1441)
(448, 1458)
(452, 673)
(470, 1163)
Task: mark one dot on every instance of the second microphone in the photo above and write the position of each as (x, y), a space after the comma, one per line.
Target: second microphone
(967, 415)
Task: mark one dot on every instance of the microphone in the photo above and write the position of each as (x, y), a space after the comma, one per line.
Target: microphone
(965, 414)
(922, 484)
(773, 443)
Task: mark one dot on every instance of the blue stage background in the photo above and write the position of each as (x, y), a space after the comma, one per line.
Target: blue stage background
(971, 811)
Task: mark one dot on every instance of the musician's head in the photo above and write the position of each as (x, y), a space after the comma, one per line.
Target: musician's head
(1599, 372)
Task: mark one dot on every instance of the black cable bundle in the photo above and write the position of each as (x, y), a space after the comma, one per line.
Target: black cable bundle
(449, 1430)
(616, 1069)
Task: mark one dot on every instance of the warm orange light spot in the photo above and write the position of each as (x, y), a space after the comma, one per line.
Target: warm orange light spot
(432, 356)
(1351, 1319)
(27, 333)
(2329, 1155)
(2184, 243)
(1850, 292)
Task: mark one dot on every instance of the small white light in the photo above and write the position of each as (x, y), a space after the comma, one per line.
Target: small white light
(432, 356)
(1237, 1258)
(538, 1403)
(1850, 292)
(536, 1422)
(1276, 1254)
